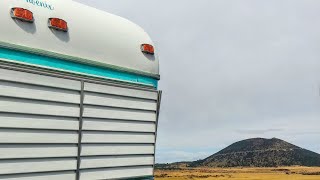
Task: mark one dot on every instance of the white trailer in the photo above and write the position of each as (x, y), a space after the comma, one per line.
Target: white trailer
(78, 93)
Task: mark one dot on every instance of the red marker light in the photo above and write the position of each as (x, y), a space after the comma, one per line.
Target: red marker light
(22, 14)
(147, 48)
(58, 24)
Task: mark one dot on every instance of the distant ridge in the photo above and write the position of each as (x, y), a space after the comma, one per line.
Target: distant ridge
(257, 152)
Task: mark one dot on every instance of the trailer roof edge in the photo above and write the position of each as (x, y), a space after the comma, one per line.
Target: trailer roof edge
(75, 59)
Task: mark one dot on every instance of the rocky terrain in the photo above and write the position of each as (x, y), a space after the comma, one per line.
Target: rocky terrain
(257, 152)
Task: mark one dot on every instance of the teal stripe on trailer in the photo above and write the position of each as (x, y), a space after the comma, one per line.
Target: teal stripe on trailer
(75, 67)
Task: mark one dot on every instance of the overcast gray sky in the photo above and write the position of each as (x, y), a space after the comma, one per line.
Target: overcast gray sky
(231, 69)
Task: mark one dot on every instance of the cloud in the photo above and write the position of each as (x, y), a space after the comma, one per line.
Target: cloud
(178, 156)
(257, 131)
(232, 69)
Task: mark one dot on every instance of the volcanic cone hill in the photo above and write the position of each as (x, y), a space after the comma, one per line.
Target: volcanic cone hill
(259, 152)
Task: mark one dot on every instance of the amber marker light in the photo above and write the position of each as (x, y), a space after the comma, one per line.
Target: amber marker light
(58, 24)
(22, 14)
(147, 48)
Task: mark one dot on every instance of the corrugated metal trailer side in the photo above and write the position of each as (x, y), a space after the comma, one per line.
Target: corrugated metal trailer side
(58, 125)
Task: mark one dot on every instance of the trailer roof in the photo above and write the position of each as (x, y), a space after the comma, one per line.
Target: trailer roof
(94, 37)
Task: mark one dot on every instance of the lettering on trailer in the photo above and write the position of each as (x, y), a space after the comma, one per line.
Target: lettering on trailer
(41, 4)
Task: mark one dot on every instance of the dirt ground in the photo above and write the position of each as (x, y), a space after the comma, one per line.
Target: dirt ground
(281, 173)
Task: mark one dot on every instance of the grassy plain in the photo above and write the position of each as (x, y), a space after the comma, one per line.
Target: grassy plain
(281, 173)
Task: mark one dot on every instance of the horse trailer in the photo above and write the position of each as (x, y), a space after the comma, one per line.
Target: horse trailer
(79, 94)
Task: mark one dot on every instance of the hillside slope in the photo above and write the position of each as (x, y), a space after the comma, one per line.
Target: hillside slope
(259, 152)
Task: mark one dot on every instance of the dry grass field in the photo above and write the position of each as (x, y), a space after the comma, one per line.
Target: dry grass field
(283, 173)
